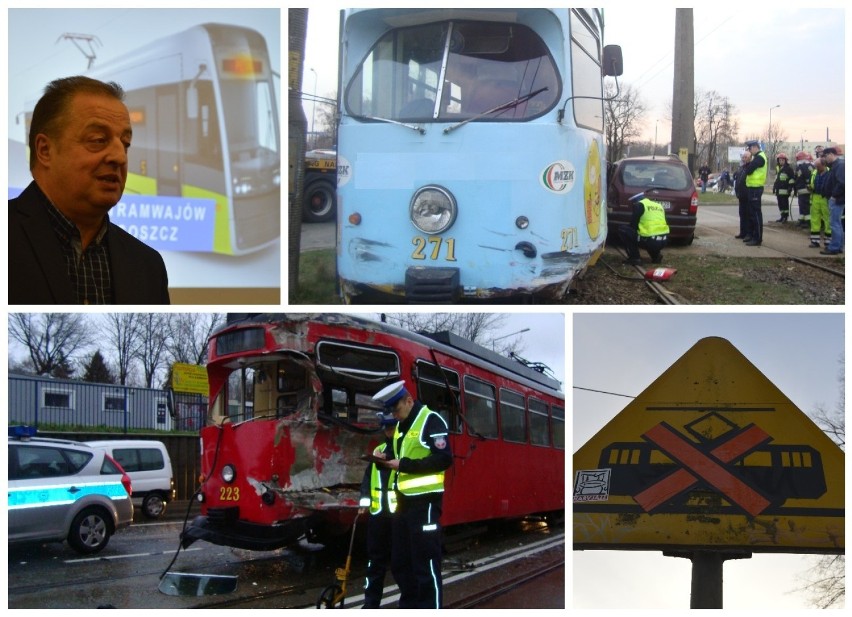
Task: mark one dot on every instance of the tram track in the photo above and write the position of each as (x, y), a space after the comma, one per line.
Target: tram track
(478, 598)
(790, 256)
(659, 290)
(304, 596)
(781, 250)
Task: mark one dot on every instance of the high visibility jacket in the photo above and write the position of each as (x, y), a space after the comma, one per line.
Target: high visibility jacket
(757, 178)
(784, 180)
(377, 488)
(815, 184)
(653, 220)
(414, 446)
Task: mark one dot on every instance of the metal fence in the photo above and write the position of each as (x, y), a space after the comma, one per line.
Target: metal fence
(60, 403)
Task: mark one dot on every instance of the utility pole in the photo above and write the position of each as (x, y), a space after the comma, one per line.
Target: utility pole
(683, 91)
(297, 123)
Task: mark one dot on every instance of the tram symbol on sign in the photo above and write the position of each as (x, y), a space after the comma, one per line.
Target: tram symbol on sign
(737, 464)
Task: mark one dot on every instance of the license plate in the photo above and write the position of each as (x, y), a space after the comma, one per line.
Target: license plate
(667, 205)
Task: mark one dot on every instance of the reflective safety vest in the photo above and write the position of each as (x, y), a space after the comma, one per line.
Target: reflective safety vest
(653, 220)
(757, 179)
(376, 488)
(414, 447)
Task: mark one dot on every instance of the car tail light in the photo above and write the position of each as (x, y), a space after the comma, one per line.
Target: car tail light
(693, 203)
(125, 479)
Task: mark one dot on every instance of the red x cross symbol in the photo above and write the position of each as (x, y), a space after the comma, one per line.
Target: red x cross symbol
(709, 468)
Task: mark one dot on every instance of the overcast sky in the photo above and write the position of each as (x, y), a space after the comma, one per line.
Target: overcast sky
(622, 354)
(796, 55)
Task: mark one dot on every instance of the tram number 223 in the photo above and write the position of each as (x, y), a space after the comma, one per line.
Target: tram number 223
(431, 248)
(229, 493)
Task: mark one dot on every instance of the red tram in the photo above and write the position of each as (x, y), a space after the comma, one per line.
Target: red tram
(290, 415)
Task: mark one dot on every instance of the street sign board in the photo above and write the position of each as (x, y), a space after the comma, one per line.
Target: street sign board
(711, 455)
(190, 378)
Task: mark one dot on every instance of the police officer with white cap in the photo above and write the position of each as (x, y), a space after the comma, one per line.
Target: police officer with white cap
(421, 454)
(755, 180)
(381, 501)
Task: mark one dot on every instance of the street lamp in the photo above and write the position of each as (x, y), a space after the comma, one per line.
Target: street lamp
(656, 125)
(314, 106)
(769, 134)
(494, 340)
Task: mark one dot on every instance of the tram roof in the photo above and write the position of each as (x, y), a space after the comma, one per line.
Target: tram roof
(437, 340)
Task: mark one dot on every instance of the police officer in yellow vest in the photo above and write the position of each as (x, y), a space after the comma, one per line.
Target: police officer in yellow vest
(755, 181)
(648, 228)
(421, 454)
(381, 501)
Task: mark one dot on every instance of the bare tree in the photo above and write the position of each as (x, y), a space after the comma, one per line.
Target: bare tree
(53, 340)
(151, 350)
(826, 579)
(122, 332)
(775, 135)
(715, 127)
(481, 328)
(623, 120)
(326, 120)
(188, 335)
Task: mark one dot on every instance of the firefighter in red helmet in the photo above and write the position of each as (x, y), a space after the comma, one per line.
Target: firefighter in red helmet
(804, 169)
(785, 179)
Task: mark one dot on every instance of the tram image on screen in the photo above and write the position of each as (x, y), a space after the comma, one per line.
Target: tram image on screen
(204, 166)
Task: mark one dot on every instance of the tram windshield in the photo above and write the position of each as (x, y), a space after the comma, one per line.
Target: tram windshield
(252, 130)
(262, 390)
(492, 72)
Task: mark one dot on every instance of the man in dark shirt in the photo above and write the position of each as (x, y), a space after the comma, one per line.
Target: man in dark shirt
(62, 247)
(835, 190)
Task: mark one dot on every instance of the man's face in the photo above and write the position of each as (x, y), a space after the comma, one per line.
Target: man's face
(402, 408)
(87, 163)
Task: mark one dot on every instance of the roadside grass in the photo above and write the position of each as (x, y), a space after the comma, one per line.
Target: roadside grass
(715, 199)
(317, 278)
(714, 279)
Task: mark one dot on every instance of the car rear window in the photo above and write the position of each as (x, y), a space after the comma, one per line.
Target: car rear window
(108, 467)
(44, 462)
(139, 459)
(653, 174)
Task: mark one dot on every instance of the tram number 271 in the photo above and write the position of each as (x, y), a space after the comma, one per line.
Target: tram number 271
(569, 239)
(431, 247)
(423, 250)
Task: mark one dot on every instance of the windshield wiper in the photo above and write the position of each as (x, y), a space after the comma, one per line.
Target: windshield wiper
(507, 105)
(413, 127)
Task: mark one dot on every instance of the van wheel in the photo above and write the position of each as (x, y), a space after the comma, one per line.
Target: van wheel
(153, 505)
(320, 201)
(90, 531)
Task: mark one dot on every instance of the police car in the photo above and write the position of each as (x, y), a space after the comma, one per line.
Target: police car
(64, 490)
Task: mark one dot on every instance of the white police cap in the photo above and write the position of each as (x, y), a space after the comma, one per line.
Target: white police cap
(637, 196)
(390, 395)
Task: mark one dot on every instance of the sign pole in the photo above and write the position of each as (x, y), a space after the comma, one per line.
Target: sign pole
(706, 590)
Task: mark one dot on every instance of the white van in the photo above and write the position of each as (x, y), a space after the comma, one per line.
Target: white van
(150, 470)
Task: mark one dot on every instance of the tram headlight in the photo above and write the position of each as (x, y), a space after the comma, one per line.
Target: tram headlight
(522, 222)
(229, 473)
(242, 187)
(433, 209)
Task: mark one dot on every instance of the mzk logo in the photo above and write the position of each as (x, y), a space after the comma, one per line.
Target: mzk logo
(558, 177)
